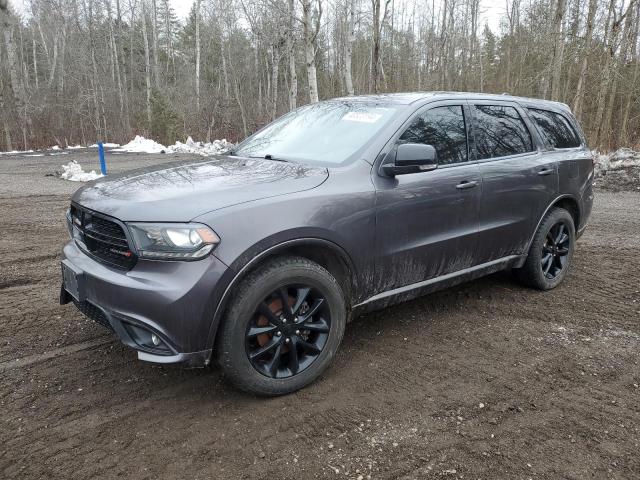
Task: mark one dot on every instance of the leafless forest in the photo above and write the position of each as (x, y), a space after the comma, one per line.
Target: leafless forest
(73, 71)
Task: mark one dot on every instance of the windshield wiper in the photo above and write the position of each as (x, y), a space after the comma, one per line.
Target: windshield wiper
(268, 156)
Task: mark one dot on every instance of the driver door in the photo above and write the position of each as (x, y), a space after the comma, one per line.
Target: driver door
(427, 222)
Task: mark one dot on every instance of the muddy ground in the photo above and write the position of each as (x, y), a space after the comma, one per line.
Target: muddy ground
(487, 380)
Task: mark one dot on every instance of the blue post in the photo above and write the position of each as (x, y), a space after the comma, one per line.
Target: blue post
(103, 164)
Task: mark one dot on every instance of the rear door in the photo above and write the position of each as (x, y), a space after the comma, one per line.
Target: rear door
(559, 130)
(519, 180)
(427, 222)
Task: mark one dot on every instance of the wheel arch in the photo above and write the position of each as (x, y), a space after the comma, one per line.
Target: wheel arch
(324, 252)
(569, 203)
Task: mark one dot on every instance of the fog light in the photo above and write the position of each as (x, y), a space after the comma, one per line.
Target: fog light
(155, 340)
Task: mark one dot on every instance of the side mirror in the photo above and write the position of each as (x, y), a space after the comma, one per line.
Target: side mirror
(410, 158)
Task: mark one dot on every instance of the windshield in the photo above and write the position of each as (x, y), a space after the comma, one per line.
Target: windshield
(327, 132)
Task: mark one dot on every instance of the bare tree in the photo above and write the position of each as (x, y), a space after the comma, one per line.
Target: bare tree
(147, 63)
(579, 97)
(197, 17)
(17, 87)
(154, 37)
(90, 69)
(291, 53)
(311, 26)
(558, 49)
(348, 48)
(379, 17)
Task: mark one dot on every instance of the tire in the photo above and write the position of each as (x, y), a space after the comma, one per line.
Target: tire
(280, 371)
(532, 273)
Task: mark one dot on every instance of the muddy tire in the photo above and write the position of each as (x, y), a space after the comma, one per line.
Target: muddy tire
(550, 253)
(282, 328)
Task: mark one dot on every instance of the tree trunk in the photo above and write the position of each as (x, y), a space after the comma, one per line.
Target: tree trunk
(348, 50)
(116, 62)
(375, 48)
(154, 38)
(578, 101)
(5, 123)
(291, 52)
(243, 116)
(169, 35)
(147, 64)
(225, 74)
(63, 54)
(19, 93)
(617, 65)
(624, 133)
(558, 50)
(35, 61)
(275, 62)
(601, 125)
(197, 55)
(310, 36)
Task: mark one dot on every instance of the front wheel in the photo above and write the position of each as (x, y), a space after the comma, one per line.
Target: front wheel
(283, 327)
(551, 251)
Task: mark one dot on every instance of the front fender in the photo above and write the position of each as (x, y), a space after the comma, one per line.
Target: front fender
(256, 254)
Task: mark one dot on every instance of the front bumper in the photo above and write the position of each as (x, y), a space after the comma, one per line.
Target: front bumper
(173, 301)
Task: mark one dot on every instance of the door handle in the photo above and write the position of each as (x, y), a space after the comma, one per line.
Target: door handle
(545, 171)
(466, 184)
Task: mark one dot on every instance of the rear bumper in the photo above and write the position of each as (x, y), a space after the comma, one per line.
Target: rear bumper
(163, 310)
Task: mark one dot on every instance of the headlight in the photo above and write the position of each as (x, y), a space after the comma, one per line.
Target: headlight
(173, 241)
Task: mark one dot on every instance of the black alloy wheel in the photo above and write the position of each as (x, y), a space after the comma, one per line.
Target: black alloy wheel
(282, 327)
(550, 252)
(288, 331)
(555, 250)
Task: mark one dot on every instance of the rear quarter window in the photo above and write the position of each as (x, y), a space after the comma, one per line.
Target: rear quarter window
(555, 128)
(500, 132)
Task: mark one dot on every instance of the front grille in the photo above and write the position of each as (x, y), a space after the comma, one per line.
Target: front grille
(94, 313)
(104, 239)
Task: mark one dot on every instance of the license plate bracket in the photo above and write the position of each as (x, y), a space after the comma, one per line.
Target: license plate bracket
(73, 280)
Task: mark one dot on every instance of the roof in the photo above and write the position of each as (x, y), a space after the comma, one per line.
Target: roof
(413, 97)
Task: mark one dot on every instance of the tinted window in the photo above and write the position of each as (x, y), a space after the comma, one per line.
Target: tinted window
(442, 127)
(555, 128)
(500, 131)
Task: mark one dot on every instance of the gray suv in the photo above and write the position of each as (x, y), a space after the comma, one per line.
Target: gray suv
(258, 258)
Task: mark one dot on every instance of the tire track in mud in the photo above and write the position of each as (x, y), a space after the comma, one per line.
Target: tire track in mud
(70, 349)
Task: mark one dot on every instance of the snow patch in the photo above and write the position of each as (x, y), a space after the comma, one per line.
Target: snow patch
(617, 171)
(621, 158)
(216, 147)
(73, 171)
(55, 147)
(75, 147)
(13, 152)
(105, 145)
(142, 145)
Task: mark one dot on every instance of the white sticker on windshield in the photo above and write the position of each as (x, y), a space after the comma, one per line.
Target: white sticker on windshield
(362, 117)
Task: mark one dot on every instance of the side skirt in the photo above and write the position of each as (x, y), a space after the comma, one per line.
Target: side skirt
(409, 292)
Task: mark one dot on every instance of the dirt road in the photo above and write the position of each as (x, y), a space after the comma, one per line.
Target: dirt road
(488, 380)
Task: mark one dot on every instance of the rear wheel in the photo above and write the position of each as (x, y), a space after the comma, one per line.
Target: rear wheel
(551, 251)
(282, 328)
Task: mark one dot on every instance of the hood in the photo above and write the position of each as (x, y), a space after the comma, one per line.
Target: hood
(180, 192)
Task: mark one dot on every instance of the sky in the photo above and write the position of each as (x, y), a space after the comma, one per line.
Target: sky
(181, 7)
(490, 10)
